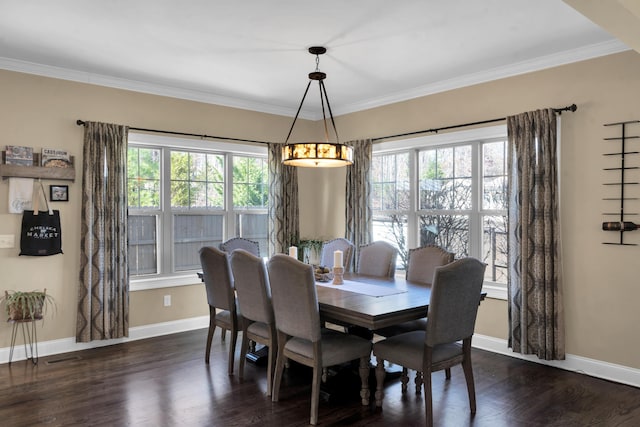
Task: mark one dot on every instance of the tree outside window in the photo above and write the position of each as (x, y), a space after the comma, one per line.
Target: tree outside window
(460, 201)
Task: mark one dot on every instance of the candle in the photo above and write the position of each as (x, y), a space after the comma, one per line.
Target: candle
(293, 252)
(337, 259)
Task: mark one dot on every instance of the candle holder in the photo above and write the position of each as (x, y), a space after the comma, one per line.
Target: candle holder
(337, 275)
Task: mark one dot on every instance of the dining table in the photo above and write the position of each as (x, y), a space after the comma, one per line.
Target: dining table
(373, 302)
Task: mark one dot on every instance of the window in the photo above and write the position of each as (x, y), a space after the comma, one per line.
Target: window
(186, 194)
(449, 190)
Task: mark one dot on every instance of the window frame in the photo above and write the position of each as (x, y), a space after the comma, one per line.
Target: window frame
(474, 136)
(166, 275)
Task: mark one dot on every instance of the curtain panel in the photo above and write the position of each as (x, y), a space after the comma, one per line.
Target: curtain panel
(103, 298)
(536, 316)
(358, 215)
(284, 215)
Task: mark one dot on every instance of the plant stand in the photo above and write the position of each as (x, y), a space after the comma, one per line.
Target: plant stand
(29, 337)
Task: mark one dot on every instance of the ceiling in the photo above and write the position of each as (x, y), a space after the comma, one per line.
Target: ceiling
(252, 54)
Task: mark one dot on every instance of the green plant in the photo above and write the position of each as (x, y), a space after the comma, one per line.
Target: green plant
(312, 246)
(26, 305)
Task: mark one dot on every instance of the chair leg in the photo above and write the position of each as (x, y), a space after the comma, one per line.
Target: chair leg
(426, 379)
(468, 374)
(270, 364)
(365, 394)
(380, 374)
(279, 368)
(244, 346)
(418, 381)
(232, 349)
(428, 401)
(224, 335)
(212, 328)
(315, 394)
(404, 380)
(447, 373)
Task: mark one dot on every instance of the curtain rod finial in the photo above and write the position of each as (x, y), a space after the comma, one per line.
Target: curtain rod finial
(79, 122)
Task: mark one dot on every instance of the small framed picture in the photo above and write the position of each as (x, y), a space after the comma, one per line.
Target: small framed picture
(59, 193)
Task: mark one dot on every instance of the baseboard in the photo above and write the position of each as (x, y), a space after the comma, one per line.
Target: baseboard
(595, 368)
(66, 345)
(583, 365)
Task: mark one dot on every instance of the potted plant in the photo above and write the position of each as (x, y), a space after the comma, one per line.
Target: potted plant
(309, 250)
(30, 305)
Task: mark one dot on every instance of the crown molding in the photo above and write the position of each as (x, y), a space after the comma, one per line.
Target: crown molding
(523, 67)
(562, 58)
(144, 87)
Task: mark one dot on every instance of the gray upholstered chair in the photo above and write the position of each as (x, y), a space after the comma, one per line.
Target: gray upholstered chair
(300, 337)
(344, 245)
(424, 260)
(218, 282)
(455, 296)
(254, 300)
(377, 259)
(421, 268)
(241, 243)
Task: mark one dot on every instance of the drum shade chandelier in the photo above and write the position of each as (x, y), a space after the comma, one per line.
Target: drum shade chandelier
(317, 154)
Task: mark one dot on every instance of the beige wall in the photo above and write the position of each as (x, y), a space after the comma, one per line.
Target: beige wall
(42, 112)
(601, 282)
(601, 287)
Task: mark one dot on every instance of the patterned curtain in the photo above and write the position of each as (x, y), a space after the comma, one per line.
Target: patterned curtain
(358, 209)
(536, 315)
(103, 306)
(284, 216)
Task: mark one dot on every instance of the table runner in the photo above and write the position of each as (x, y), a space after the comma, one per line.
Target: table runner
(363, 288)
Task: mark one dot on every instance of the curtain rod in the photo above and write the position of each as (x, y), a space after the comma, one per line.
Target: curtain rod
(571, 108)
(82, 123)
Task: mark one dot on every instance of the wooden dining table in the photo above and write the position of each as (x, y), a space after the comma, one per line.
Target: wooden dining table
(374, 312)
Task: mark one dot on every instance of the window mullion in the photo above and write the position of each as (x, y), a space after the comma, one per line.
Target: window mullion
(475, 222)
(229, 211)
(165, 236)
(413, 228)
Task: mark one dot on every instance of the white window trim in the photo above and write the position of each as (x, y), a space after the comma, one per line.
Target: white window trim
(187, 278)
(493, 290)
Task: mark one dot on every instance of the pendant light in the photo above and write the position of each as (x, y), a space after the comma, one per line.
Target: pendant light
(317, 154)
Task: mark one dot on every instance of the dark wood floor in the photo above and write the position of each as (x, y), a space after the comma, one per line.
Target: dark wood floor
(164, 382)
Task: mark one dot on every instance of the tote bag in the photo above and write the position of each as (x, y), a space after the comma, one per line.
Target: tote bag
(40, 234)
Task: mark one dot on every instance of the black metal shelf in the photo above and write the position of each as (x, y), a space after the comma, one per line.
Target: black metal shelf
(622, 183)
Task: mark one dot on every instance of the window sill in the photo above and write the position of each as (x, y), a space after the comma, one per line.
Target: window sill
(495, 291)
(145, 284)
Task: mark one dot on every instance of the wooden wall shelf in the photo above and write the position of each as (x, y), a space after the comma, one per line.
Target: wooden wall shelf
(59, 174)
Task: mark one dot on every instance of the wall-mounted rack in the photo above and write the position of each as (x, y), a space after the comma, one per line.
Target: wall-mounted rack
(37, 171)
(623, 224)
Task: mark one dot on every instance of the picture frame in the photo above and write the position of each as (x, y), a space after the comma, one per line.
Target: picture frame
(59, 193)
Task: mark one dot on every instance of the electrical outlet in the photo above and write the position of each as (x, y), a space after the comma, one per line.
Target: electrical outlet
(7, 240)
(167, 300)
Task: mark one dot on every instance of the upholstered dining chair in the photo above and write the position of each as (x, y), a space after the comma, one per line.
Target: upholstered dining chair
(377, 259)
(218, 282)
(329, 247)
(455, 296)
(424, 260)
(420, 269)
(241, 243)
(300, 337)
(254, 299)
